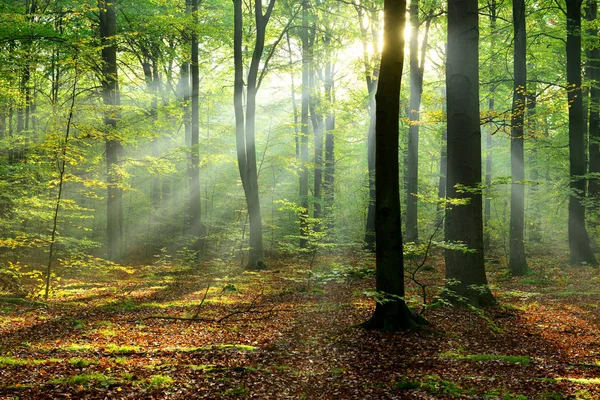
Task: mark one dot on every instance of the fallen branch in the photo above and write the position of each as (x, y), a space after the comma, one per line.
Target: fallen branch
(250, 308)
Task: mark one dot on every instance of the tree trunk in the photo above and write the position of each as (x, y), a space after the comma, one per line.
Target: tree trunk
(465, 271)
(412, 187)
(535, 216)
(517, 263)
(316, 117)
(110, 94)
(245, 127)
(593, 76)
(195, 205)
(304, 128)
(329, 172)
(392, 314)
(579, 244)
(371, 70)
(489, 141)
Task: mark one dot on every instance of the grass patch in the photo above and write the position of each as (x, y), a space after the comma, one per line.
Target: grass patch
(433, 385)
(234, 347)
(116, 349)
(77, 347)
(16, 362)
(159, 382)
(80, 362)
(519, 293)
(238, 391)
(85, 380)
(459, 355)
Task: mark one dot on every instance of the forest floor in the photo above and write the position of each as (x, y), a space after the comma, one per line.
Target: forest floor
(276, 335)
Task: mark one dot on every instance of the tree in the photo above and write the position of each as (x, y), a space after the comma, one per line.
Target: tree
(391, 313)
(517, 263)
(465, 270)
(245, 128)
(111, 98)
(196, 228)
(489, 141)
(417, 67)
(369, 23)
(593, 75)
(579, 243)
(306, 65)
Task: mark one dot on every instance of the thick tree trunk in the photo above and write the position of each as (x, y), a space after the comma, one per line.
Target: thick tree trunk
(465, 271)
(517, 263)
(110, 94)
(579, 243)
(392, 314)
(593, 76)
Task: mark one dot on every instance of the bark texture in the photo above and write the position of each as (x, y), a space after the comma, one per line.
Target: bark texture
(579, 243)
(517, 263)
(465, 270)
(392, 314)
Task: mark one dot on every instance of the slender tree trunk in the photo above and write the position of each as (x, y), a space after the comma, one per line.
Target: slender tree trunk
(316, 117)
(329, 172)
(535, 231)
(245, 127)
(371, 70)
(443, 163)
(489, 141)
(392, 314)
(579, 243)
(195, 205)
(517, 263)
(412, 189)
(593, 76)
(304, 127)
(110, 94)
(465, 271)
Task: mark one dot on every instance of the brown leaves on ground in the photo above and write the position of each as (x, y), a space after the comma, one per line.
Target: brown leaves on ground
(288, 335)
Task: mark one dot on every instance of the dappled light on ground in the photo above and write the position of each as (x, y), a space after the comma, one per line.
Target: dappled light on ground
(167, 332)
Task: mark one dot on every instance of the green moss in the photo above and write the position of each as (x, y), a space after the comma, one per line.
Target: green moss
(159, 382)
(85, 380)
(116, 349)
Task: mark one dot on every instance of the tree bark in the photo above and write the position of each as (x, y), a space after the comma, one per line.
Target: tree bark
(111, 98)
(316, 116)
(489, 140)
(393, 314)
(329, 171)
(371, 70)
(195, 210)
(416, 87)
(465, 271)
(517, 263)
(304, 127)
(579, 243)
(593, 76)
(245, 127)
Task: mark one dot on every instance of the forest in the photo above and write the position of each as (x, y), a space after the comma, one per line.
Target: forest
(309, 199)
